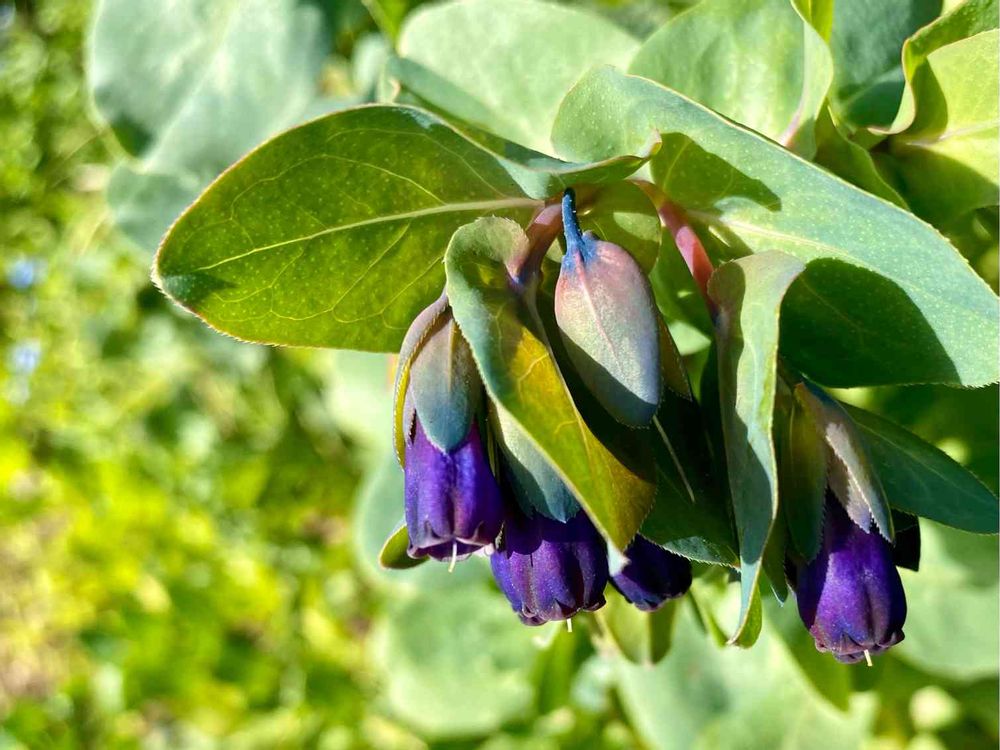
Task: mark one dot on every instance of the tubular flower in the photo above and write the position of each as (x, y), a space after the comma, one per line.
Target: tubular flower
(452, 501)
(652, 575)
(850, 596)
(550, 570)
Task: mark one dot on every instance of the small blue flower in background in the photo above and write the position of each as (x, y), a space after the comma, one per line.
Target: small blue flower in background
(25, 273)
(24, 357)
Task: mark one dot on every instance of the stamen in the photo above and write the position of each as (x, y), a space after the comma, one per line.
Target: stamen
(454, 556)
(868, 658)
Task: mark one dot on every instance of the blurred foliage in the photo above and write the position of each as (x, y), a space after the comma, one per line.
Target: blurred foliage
(189, 525)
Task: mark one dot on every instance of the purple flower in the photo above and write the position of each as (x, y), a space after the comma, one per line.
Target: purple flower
(851, 597)
(452, 502)
(550, 570)
(652, 576)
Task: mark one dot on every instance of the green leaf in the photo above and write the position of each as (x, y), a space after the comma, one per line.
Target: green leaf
(848, 160)
(332, 233)
(802, 478)
(929, 318)
(748, 293)
(952, 618)
(866, 43)
(621, 213)
(509, 344)
(192, 118)
(641, 637)
(828, 677)
(953, 139)
(754, 61)
(466, 679)
(393, 555)
(690, 516)
(505, 65)
(920, 479)
(702, 697)
(967, 19)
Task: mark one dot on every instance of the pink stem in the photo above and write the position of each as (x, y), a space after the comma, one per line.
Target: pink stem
(692, 251)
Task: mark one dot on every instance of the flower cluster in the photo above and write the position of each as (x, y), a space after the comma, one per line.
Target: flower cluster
(465, 491)
(468, 490)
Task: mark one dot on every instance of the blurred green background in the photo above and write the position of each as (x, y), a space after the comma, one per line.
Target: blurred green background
(189, 525)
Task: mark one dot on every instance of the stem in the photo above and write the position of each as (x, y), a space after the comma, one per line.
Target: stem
(690, 247)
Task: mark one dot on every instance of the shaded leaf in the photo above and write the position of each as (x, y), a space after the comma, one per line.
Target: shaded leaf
(866, 42)
(757, 197)
(748, 293)
(920, 479)
(802, 479)
(393, 553)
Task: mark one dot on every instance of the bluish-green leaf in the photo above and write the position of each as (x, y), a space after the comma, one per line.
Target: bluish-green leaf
(332, 233)
(891, 300)
(748, 293)
(953, 138)
(866, 42)
(505, 65)
(754, 61)
(920, 479)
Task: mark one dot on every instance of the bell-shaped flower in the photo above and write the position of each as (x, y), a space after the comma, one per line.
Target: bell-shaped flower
(609, 323)
(850, 596)
(550, 570)
(652, 575)
(452, 502)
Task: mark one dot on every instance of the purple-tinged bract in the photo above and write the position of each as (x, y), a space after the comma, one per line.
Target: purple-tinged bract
(453, 504)
(850, 596)
(652, 575)
(608, 322)
(550, 570)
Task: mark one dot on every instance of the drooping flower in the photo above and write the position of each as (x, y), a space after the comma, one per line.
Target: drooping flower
(452, 502)
(652, 575)
(850, 596)
(550, 570)
(609, 322)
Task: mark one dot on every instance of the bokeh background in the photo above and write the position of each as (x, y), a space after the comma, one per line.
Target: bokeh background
(189, 525)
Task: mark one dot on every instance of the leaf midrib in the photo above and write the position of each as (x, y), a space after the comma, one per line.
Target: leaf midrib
(384, 219)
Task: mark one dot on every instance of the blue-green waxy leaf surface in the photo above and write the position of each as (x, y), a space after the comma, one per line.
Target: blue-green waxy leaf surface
(189, 88)
(748, 293)
(497, 315)
(332, 233)
(754, 61)
(505, 65)
(885, 299)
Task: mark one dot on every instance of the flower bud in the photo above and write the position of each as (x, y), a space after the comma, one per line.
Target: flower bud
(850, 596)
(453, 504)
(652, 575)
(608, 321)
(550, 570)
